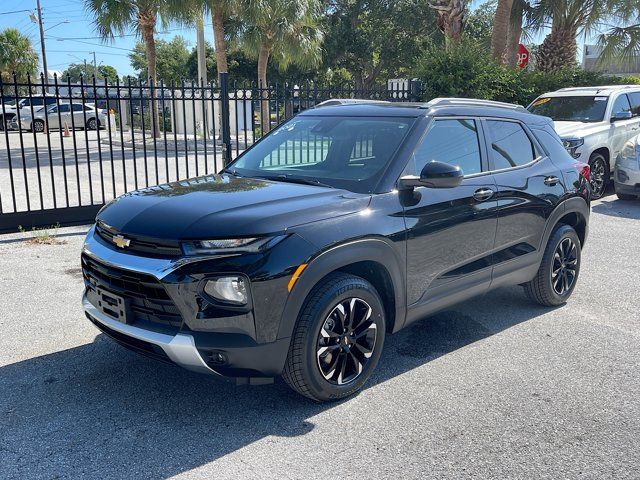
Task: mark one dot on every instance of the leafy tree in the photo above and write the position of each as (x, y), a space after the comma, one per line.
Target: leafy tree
(376, 38)
(287, 32)
(568, 19)
(76, 70)
(171, 59)
(240, 67)
(16, 55)
(479, 26)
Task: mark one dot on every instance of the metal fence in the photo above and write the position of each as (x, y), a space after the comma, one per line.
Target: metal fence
(71, 147)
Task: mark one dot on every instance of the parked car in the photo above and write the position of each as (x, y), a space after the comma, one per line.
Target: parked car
(24, 105)
(594, 123)
(74, 115)
(627, 171)
(343, 225)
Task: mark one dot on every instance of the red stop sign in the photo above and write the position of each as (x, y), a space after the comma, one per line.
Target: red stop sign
(523, 56)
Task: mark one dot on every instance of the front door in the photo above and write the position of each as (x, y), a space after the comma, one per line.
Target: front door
(451, 231)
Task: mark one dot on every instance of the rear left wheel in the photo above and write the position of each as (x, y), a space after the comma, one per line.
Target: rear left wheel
(92, 124)
(38, 126)
(338, 339)
(559, 269)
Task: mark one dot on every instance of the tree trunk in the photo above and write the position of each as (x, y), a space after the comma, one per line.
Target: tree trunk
(500, 28)
(558, 50)
(263, 60)
(217, 18)
(451, 18)
(147, 23)
(515, 32)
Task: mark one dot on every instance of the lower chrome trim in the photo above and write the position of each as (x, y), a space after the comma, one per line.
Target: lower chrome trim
(181, 348)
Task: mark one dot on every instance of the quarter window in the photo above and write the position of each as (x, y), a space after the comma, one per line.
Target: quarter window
(451, 141)
(510, 145)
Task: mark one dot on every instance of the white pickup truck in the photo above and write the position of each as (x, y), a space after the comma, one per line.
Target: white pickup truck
(594, 124)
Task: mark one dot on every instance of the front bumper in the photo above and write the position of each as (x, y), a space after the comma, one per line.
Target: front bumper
(627, 181)
(243, 345)
(180, 349)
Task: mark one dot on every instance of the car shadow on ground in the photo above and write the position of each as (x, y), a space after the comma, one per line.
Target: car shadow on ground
(615, 207)
(100, 410)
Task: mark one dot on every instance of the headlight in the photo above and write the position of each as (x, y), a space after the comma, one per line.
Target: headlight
(629, 156)
(231, 289)
(572, 144)
(230, 245)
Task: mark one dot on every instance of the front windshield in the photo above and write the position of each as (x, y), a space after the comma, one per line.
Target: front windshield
(342, 152)
(571, 109)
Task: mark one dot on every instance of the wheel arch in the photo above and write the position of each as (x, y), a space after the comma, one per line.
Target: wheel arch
(604, 151)
(375, 260)
(574, 212)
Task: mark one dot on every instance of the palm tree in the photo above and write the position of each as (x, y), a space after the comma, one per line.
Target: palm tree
(568, 19)
(116, 17)
(621, 44)
(501, 25)
(219, 13)
(515, 31)
(284, 30)
(451, 18)
(16, 55)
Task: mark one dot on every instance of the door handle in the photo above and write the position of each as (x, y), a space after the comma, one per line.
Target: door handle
(551, 181)
(483, 194)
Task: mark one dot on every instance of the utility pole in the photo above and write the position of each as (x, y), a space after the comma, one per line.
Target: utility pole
(95, 65)
(44, 53)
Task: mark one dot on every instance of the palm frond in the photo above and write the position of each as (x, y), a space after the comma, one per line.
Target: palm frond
(620, 45)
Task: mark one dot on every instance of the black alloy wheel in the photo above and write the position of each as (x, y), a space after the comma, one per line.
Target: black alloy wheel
(565, 264)
(346, 341)
(38, 126)
(599, 177)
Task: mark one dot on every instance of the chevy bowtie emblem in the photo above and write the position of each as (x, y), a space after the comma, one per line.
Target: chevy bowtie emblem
(120, 241)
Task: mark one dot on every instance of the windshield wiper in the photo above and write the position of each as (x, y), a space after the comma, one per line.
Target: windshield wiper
(300, 180)
(230, 172)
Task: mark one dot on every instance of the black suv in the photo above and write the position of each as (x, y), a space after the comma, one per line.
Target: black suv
(343, 225)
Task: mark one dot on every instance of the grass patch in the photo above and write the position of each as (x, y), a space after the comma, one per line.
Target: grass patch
(43, 235)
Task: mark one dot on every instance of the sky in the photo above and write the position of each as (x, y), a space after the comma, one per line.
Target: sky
(71, 38)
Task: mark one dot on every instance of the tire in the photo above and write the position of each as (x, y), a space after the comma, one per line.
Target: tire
(322, 362)
(37, 126)
(92, 124)
(626, 196)
(599, 175)
(546, 289)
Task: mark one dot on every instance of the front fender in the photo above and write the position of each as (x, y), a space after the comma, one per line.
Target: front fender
(379, 250)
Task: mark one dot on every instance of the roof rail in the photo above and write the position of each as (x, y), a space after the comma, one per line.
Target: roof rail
(348, 101)
(475, 102)
(598, 87)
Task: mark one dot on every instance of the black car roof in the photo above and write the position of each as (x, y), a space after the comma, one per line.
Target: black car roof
(439, 107)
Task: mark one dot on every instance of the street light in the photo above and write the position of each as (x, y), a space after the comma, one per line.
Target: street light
(54, 26)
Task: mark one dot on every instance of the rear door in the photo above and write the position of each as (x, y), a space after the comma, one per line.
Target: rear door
(623, 130)
(451, 231)
(529, 187)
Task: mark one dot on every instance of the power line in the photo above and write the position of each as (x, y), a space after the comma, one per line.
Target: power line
(14, 11)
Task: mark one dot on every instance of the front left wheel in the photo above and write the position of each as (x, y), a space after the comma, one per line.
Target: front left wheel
(337, 340)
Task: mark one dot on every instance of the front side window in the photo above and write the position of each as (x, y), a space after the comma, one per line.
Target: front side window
(343, 152)
(450, 141)
(510, 145)
(634, 98)
(76, 107)
(571, 109)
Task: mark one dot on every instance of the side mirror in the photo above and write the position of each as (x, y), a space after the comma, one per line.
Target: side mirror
(621, 116)
(434, 175)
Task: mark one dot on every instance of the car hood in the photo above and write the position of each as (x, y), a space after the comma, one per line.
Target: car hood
(579, 129)
(223, 206)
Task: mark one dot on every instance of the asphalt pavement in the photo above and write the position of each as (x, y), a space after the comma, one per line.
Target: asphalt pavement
(494, 388)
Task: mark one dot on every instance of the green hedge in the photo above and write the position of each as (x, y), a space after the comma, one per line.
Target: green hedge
(468, 71)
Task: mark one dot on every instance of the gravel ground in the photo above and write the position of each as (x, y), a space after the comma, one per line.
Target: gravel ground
(494, 388)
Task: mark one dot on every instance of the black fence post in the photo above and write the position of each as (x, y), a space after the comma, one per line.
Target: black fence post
(415, 90)
(225, 129)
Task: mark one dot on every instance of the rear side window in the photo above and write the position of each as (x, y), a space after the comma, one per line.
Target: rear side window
(634, 98)
(510, 145)
(451, 141)
(621, 105)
